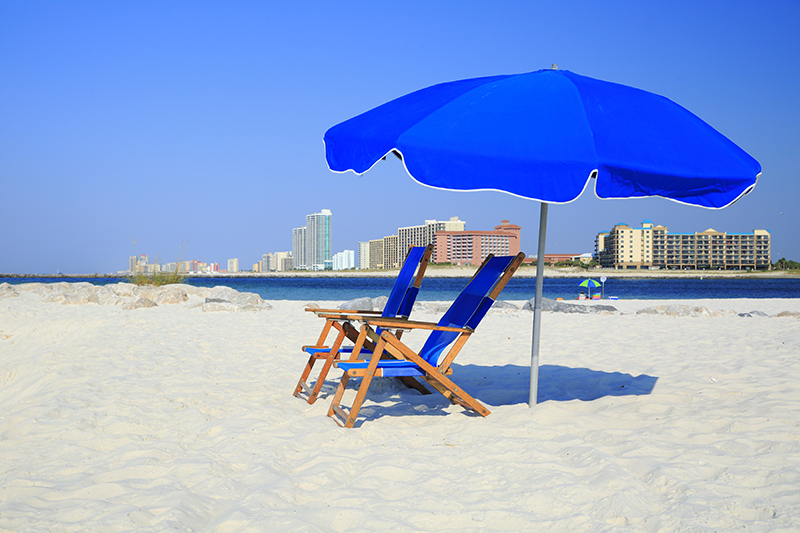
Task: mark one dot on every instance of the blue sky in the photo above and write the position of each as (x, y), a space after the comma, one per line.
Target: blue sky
(170, 122)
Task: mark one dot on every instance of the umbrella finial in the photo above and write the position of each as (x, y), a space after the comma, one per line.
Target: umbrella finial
(554, 67)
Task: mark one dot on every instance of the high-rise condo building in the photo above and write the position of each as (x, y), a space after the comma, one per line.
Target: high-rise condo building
(233, 265)
(653, 246)
(380, 253)
(391, 252)
(376, 254)
(299, 248)
(363, 255)
(318, 240)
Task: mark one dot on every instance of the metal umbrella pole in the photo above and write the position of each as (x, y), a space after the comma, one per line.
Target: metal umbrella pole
(537, 307)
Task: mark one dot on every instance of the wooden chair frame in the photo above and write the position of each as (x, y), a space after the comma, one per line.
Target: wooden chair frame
(337, 320)
(389, 343)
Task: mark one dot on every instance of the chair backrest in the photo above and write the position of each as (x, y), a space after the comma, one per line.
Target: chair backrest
(472, 304)
(406, 287)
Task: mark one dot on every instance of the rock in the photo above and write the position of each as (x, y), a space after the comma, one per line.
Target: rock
(379, 303)
(682, 311)
(247, 298)
(224, 293)
(359, 304)
(170, 294)
(191, 290)
(794, 314)
(241, 302)
(218, 304)
(311, 305)
(500, 304)
(7, 291)
(132, 296)
(751, 314)
(79, 297)
(431, 307)
(139, 303)
(561, 307)
(107, 296)
(124, 290)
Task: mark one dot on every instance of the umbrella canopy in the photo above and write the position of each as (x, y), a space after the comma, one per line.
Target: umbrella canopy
(544, 135)
(588, 283)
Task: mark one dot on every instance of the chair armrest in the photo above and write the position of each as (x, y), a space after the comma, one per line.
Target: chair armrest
(319, 310)
(400, 323)
(349, 315)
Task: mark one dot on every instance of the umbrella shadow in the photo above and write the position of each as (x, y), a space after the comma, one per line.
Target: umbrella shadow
(505, 385)
(509, 384)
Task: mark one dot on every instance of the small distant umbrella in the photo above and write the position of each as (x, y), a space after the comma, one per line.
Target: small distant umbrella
(545, 136)
(589, 283)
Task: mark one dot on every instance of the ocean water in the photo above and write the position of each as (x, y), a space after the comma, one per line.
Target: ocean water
(446, 289)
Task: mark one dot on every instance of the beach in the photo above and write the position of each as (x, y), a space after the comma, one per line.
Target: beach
(116, 415)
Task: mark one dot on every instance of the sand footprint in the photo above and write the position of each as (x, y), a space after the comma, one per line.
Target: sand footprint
(8, 377)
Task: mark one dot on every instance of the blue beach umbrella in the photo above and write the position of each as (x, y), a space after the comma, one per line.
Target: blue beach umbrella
(546, 136)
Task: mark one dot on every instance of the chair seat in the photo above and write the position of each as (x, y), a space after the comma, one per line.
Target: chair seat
(313, 351)
(389, 367)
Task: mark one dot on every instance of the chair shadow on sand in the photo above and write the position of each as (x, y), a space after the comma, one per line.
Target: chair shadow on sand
(509, 385)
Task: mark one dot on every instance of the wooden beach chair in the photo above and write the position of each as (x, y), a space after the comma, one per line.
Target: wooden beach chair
(401, 301)
(455, 327)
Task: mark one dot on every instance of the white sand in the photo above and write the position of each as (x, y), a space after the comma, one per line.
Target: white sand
(175, 419)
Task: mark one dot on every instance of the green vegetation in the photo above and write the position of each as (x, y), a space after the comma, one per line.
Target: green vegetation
(159, 279)
(787, 266)
(783, 264)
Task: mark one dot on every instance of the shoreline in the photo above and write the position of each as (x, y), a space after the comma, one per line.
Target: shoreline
(456, 272)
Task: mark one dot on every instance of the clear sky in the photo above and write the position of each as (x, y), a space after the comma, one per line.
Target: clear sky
(196, 121)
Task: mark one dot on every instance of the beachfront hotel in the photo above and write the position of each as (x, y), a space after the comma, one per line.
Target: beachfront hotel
(652, 246)
(472, 247)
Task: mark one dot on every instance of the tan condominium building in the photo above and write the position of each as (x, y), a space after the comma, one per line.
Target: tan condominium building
(472, 247)
(425, 234)
(390, 252)
(375, 258)
(653, 246)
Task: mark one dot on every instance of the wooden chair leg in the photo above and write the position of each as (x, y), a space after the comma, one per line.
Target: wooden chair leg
(435, 377)
(332, 356)
(455, 394)
(329, 357)
(304, 376)
(350, 417)
(335, 409)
